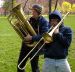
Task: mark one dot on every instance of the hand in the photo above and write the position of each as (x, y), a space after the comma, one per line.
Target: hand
(56, 31)
(46, 42)
(28, 38)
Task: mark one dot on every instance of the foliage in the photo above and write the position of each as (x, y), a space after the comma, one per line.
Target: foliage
(7, 5)
(66, 6)
(73, 8)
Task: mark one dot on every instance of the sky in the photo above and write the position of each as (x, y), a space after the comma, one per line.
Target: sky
(1, 3)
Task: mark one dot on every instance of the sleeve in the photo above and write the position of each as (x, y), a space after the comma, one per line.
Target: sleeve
(44, 28)
(37, 37)
(65, 39)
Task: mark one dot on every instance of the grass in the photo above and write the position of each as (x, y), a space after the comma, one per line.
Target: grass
(10, 44)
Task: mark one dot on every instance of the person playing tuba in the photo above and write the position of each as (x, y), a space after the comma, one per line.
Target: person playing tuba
(40, 25)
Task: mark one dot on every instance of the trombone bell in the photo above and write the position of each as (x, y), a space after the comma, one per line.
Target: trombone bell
(47, 37)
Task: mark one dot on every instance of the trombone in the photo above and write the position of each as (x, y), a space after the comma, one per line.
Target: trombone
(47, 37)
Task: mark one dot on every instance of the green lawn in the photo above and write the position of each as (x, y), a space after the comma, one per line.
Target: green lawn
(10, 44)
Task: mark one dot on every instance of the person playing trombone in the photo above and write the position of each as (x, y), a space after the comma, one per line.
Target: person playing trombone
(40, 25)
(56, 52)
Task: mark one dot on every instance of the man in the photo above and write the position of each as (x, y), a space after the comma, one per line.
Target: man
(56, 52)
(40, 25)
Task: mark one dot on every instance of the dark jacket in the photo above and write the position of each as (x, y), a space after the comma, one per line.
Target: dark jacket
(43, 27)
(40, 24)
(58, 49)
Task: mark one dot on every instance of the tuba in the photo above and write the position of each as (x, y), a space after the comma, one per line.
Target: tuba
(18, 21)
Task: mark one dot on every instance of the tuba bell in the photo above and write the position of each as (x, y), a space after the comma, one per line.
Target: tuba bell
(18, 21)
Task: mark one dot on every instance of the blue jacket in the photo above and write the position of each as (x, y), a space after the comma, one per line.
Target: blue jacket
(58, 49)
(42, 23)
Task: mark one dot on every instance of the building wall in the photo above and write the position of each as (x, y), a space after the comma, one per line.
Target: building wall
(1, 11)
(1, 8)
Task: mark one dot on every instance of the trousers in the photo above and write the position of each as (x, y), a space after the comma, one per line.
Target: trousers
(56, 65)
(34, 63)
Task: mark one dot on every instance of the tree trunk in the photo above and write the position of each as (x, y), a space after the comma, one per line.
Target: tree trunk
(12, 3)
(50, 1)
(5, 13)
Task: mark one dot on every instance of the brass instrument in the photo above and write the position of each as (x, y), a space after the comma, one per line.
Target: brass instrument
(18, 21)
(48, 37)
(23, 28)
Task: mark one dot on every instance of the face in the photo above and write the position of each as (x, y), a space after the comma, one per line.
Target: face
(54, 22)
(34, 13)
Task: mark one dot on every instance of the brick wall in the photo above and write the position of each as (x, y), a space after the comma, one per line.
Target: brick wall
(1, 11)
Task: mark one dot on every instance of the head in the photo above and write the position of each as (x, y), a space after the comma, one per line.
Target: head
(36, 10)
(55, 18)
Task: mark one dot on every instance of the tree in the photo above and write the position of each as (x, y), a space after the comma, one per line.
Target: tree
(13, 3)
(6, 7)
(73, 8)
(66, 6)
(71, 1)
